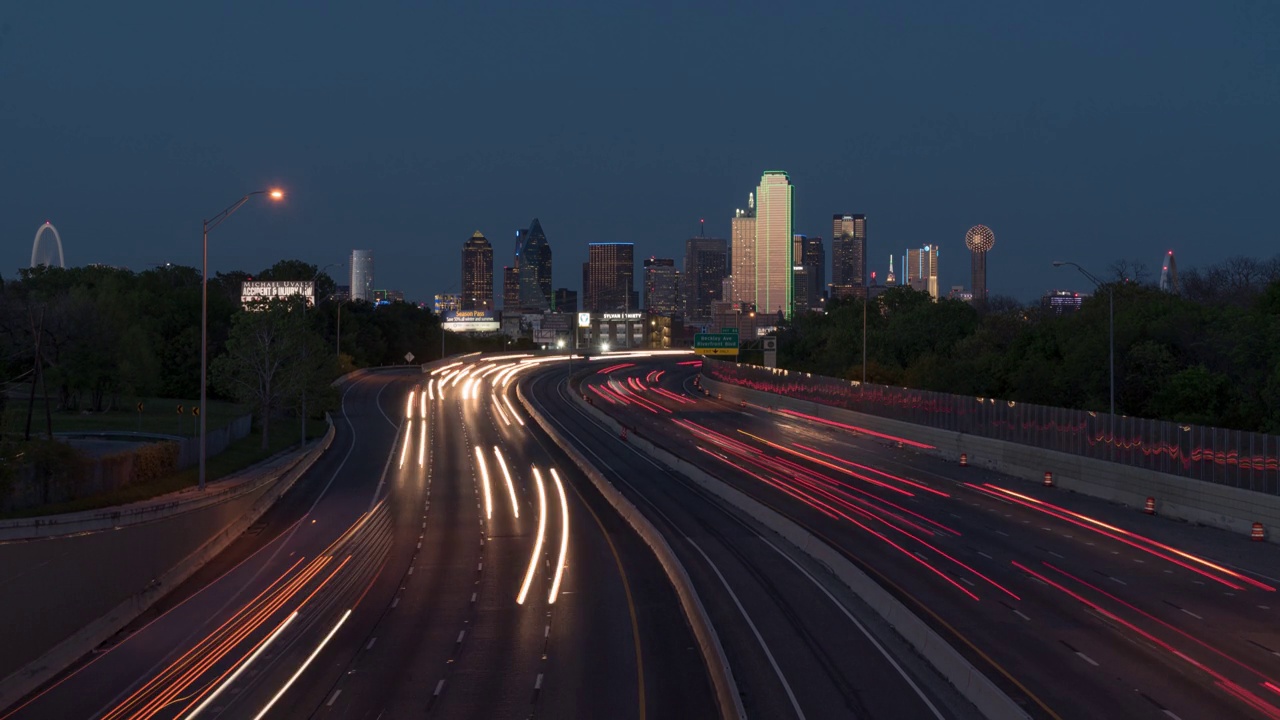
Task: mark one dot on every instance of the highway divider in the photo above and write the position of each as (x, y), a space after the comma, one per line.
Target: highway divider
(99, 630)
(726, 689)
(972, 683)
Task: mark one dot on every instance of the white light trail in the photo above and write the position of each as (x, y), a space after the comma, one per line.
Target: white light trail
(442, 368)
(431, 388)
(537, 546)
(236, 675)
(408, 439)
(564, 538)
(422, 406)
(514, 414)
(457, 378)
(501, 412)
(468, 390)
(422, 446)
(408, 406)
(484, 477)
(262, 713)
(511, 487)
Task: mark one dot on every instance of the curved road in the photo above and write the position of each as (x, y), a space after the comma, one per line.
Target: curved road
(385, 584)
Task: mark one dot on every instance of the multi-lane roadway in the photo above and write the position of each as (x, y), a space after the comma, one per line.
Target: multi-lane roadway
(1075, 607)
(440, 560)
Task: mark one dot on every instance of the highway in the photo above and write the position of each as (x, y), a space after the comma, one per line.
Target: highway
(404, 575)
(797, 649)
(1075, 607)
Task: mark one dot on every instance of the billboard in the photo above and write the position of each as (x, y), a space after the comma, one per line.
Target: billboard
(475, 321)
(252, 291)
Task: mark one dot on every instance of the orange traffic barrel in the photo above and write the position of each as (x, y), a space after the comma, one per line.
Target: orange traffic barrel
(1258, 534)
(1048, 478)
(1150, 508)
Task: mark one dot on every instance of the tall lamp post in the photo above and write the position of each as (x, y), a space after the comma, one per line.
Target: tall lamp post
(207, 225)
(1111, 325)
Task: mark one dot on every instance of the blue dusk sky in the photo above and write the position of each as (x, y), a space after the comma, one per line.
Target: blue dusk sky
(1086, 131)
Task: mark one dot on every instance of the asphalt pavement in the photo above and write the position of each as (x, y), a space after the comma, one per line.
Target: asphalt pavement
(395, 581)
(1074, 606)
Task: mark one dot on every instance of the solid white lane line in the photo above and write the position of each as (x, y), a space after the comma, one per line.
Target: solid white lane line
(537, 547)
(795, 704)
(333, 697)
(564, 538)
(303, 668)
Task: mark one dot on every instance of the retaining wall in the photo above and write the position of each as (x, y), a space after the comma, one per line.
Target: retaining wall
(66, 596)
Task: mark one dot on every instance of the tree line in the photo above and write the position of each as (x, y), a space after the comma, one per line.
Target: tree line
(1209, 354)
(95, 337)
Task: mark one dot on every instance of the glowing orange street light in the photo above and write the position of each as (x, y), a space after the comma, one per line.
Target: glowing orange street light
(274, 194)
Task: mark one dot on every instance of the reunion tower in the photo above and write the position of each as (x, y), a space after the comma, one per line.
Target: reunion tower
(979, 240)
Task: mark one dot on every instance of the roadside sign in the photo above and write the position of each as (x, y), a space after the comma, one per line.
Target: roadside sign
(408, 357)
(179, 409)
(729, 330)
(139, 406)
(769, 343)
(715, 343)
(195, 411)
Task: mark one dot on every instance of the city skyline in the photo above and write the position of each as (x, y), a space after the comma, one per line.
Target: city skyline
(1114, 133)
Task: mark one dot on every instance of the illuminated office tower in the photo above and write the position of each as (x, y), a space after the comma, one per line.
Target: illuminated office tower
(477, 273)
(362, 275)
(808, 273)
(849, 249)
(922, 270)
(608, 278)
(510, 290)
(661, 287)
(742, 242)
(774, 266)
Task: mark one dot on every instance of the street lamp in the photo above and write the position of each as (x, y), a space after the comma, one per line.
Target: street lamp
(275, 194)
(1111, 323)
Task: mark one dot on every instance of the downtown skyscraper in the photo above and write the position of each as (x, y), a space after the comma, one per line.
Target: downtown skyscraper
(742, 248)
(362, 275)
(705, 266)
(608, 278)
(477, 274)
(922, 270)
(849, 250)
(774, 266)
(533, 268)
(661, 287)
(809, 273)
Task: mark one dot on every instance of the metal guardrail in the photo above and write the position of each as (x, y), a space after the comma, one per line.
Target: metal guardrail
(1235, 458)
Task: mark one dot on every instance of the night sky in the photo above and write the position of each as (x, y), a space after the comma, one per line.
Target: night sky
(1085, 131)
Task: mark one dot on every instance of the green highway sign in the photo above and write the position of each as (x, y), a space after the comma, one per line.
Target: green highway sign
(715, 343)
(724, 331)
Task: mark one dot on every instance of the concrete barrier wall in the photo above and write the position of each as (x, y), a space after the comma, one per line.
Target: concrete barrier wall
(74, 593)
(972, 683)
(726, 688)
(1176, 497)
